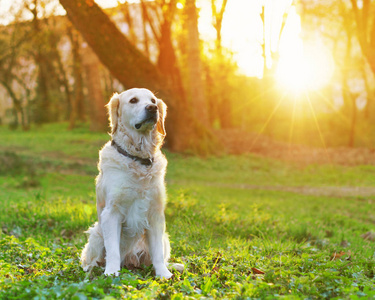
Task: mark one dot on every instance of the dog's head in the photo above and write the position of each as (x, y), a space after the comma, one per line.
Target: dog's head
(137, 110)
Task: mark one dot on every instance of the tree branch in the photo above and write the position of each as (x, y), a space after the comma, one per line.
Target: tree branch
(147, 17)
(115, 51)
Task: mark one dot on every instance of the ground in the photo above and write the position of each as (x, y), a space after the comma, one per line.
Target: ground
(245, 226)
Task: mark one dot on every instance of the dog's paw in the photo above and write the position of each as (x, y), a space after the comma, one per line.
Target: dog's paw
(163, 272)
(86, 268)
(178, 267)
(109, 272)
(164, 275)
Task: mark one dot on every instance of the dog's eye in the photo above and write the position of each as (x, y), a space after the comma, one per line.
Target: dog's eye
(133, 100)
(153, 100)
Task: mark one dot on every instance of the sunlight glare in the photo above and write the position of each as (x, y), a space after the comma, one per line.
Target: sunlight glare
(310, 70)
(302, 66)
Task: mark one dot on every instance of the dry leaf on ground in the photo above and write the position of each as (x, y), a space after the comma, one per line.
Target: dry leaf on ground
(369, 236)
(337, 255)
(257, 271)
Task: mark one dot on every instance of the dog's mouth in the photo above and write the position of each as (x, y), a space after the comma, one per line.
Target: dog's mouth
(148, 121)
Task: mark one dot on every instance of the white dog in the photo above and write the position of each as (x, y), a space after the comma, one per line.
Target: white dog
(130, 189)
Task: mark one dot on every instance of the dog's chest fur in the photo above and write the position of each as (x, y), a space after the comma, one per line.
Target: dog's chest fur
(133, 189)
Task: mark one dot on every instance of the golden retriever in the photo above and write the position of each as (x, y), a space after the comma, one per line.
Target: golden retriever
(130, 189)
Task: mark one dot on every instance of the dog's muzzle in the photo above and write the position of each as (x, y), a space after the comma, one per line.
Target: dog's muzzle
(151, 116)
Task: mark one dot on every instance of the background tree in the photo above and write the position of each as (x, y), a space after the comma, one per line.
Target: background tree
(160, 16)
(77, 103)
(131, 67)
(217, 22)
(218, 72)
(365, 29)
(193, 64)
(338, 26)
(11, 42)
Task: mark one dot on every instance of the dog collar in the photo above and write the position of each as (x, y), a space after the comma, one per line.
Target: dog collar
(143, 161)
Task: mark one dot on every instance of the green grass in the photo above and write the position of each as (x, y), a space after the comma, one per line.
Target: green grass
(227, 217)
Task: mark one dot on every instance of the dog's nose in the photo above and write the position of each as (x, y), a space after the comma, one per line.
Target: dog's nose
(152, 108)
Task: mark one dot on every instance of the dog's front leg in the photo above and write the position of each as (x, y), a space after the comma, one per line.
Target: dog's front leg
(155, 242)
(111, 228)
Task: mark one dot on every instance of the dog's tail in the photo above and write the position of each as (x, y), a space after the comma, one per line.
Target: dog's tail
(94, 252)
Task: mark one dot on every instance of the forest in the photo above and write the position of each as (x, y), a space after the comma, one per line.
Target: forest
(306, 77)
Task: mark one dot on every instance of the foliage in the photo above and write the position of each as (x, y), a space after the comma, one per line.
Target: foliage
(49, 74)
(233, 221)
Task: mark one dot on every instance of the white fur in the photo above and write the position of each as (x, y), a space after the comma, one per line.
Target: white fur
(131, 197)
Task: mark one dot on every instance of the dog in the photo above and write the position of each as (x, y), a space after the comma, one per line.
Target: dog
(130, 189)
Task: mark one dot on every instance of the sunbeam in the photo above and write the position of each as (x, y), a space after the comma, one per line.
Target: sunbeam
(317, 124)
(268, 120)
(244, 104)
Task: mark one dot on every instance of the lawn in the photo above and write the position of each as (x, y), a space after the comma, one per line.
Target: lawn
(244, 226)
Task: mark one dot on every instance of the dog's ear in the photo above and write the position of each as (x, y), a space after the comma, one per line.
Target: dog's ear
(162, 114)
(112, 107)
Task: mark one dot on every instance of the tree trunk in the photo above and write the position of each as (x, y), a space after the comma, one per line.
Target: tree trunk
(17, 107)
(369, 92)
(224, 107)
(349, 98)
(218, 21)
(43, 98)
(77, 105)
(130, 66)
(98, 117)
(194, 64)
(363, 23)
(167, 60)
(62, 77)
(113, 49)
(353, 123)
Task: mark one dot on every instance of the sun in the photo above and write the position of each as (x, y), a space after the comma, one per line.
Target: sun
(293, 73)
(310, 70)
(303, 65)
